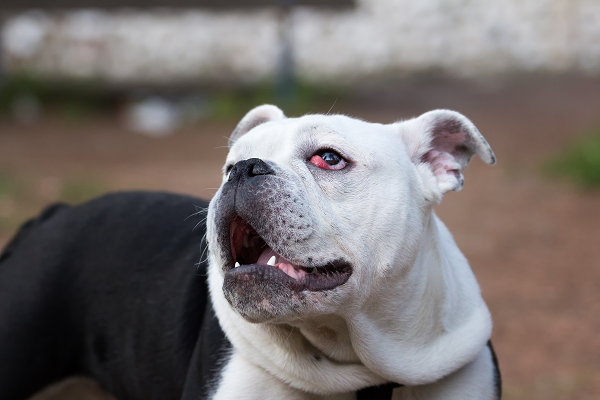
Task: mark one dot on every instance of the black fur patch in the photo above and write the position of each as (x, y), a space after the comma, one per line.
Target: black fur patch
(497, 376)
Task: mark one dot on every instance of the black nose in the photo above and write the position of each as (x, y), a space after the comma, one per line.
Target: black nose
(250, 168)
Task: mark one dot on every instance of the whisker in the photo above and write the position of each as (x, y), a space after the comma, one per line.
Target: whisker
(194, 214)
(198, 224)
(225, 137)
(332, 106)
(205, 251)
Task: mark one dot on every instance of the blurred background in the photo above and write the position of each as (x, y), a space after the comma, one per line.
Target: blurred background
(97, 96)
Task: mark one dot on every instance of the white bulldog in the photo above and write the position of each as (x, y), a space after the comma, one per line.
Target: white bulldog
(329, 270)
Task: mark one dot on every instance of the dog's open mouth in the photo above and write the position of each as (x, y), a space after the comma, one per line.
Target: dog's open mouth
(251, 252)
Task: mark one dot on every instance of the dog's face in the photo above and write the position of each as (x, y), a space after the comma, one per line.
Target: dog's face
(315, 213)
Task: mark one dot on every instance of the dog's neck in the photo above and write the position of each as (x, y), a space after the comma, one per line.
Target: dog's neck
(439, 322)
(330, 335)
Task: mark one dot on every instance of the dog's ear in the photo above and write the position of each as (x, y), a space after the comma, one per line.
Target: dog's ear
(441, 143)
(255, 117)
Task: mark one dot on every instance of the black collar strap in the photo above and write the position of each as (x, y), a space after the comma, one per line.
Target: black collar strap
(381, 392)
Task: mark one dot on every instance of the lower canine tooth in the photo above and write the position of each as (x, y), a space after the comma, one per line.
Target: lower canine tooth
(237, 264)
(271, 261)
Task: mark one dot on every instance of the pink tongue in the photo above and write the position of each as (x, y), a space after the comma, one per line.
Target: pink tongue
(281, 263)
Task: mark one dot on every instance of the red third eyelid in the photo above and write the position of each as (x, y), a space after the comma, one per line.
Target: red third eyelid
(319, 162)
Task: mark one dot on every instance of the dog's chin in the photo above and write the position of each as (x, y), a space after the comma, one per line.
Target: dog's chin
(264, 286)
(262, 293)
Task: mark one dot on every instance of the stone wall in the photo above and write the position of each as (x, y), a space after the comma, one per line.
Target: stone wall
(460, 37)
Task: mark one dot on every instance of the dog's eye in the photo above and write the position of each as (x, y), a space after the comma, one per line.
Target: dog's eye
(328, 159)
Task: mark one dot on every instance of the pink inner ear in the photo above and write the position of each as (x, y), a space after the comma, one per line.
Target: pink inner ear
(442, 165)
(452, 142)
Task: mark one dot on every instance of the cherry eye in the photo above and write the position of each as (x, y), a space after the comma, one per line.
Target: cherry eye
(328, 159)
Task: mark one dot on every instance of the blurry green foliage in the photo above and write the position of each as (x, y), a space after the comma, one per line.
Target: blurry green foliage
(78, 190)
(73, 99)
(6, 184)
(580, 162)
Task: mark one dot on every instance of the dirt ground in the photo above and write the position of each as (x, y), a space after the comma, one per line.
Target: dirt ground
(533, 243)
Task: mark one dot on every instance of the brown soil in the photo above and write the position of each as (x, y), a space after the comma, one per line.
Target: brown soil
(533, 243)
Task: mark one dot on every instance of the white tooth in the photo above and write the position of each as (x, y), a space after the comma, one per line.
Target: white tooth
(271, 261)
(237, 264)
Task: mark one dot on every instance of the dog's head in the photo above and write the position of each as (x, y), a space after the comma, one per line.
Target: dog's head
(315, 213)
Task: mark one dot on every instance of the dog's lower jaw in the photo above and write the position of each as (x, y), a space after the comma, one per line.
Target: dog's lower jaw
(262, 294)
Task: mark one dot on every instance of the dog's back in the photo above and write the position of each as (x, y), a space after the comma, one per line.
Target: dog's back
(110, 289)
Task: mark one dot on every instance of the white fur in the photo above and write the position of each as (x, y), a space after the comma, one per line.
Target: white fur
(411, 312)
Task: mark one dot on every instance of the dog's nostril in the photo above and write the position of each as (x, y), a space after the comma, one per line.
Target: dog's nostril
(259, 167)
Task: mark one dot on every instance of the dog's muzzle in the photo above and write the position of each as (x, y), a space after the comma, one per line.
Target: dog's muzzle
(264, 224)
